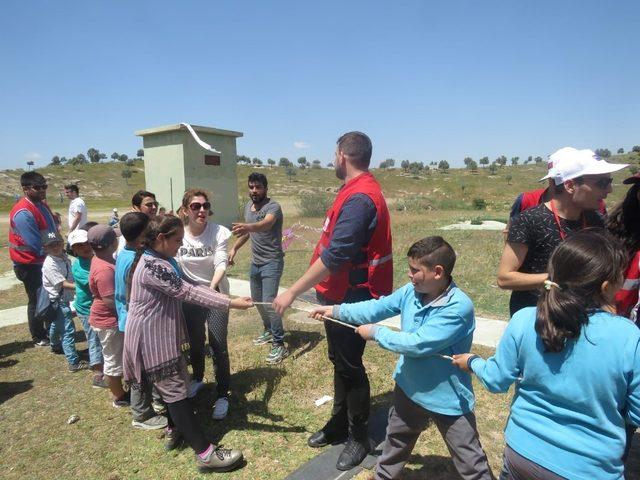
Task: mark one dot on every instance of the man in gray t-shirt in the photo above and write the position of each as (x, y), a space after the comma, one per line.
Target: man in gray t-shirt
(263, 224)
(266, 245)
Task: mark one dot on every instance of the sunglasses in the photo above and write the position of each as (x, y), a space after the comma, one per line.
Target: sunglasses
(196, 206)
(39, 188)
(603, 183)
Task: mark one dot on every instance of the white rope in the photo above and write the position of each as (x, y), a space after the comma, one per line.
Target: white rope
(331, 319)
(195, 136)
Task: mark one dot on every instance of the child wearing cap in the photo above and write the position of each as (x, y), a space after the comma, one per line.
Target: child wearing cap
(437, 319)
(102, 315)
(57, 280)
(79, 243)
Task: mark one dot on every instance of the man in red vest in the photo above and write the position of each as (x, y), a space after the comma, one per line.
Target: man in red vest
(30, 217)
(351, 263)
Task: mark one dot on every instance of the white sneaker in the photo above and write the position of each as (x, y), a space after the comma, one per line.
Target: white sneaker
(220, 408)
(194, 388)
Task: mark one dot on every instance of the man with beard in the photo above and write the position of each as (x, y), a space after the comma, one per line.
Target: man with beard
(29, 219)
(351, 263)
(263, 225)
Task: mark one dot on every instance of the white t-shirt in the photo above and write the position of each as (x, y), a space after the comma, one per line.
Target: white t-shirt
(77, 206)
(200, 256)
(54, 271)
(122, 242)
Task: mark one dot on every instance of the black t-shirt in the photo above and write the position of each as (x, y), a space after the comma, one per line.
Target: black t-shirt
(538, 230)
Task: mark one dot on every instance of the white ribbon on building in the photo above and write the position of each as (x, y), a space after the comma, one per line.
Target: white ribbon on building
(195, 136)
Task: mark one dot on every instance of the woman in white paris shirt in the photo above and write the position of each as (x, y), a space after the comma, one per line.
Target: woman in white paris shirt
(203, 259)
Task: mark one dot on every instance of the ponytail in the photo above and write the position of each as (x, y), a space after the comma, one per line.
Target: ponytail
(560, 316)
(577, 269)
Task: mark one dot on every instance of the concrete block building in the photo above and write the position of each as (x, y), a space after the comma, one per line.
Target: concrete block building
(174, 161)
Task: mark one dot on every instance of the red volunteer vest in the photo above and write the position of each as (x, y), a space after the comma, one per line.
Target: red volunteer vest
(18, 250)
(379, 259)
(627, 296)
(533, 198)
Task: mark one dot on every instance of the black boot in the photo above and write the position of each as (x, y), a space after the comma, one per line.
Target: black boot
(323, 437)
(355, 451)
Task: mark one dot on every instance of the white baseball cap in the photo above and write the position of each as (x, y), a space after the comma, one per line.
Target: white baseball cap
(558, 154)
(573, 164)
(78, 236)
(554, 158)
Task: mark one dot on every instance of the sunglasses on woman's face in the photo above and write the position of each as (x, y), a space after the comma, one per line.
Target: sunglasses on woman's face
(603, 183)
(196, 206)
(39, 188)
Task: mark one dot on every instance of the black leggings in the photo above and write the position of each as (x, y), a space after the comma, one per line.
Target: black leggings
(181, 416)
(216, 322)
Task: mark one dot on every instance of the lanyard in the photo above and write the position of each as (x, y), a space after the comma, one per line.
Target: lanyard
(557, 219)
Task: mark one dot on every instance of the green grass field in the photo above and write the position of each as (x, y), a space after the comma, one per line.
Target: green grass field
(271, 415)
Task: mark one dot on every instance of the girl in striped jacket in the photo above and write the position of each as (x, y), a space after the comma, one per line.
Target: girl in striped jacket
(156, 338)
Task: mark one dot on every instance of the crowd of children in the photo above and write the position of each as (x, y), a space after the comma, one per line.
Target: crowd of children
(143, 290)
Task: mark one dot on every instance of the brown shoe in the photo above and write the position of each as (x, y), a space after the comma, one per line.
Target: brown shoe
(219, 460)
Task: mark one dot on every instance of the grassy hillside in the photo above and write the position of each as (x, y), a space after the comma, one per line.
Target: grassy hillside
(102, 185)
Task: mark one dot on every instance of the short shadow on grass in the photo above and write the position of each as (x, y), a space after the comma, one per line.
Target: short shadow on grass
(301, 342)
(240, 407)
(382, 401)
(434, 467)
(9, 390)
(80, 336)
(13, 348)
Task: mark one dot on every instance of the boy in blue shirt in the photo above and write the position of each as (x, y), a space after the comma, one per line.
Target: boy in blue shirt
(437, 319)
(132, 227)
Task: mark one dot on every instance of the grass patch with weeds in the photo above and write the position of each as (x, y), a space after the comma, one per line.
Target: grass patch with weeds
(271, 415)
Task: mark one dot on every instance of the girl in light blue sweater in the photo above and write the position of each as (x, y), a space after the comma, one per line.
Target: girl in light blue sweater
(576, 366)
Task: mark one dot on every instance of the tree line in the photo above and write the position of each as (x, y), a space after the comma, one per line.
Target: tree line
(283, 162)
(94, 155)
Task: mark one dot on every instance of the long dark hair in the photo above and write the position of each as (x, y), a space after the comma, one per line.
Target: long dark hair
(624, 220)
(577, 267)
(167, 225)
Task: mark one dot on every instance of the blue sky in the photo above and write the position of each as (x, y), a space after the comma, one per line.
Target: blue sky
(427, 80)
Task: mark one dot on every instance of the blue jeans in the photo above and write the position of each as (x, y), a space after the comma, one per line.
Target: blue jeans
(62, 330)
(93, 342)
(264, 281)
